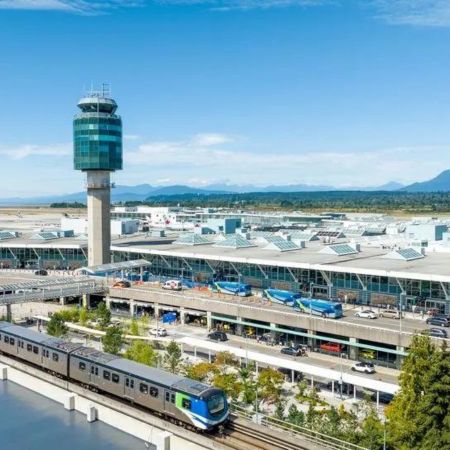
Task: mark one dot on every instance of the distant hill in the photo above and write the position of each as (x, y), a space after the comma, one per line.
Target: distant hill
(141, 192)
(180, 190)
(441, 183)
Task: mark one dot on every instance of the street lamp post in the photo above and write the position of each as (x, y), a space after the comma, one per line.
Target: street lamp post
(341, 375)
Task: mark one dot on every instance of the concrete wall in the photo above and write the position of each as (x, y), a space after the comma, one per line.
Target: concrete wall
(21, 310)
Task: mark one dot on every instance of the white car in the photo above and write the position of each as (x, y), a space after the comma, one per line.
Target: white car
(160, 332)
(367, 314)
(364, 367)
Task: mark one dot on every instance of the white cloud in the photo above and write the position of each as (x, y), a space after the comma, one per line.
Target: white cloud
(210, 139)
(74, 6)
(188, 160)
(245, 4)
(427, 13)
(24, 151)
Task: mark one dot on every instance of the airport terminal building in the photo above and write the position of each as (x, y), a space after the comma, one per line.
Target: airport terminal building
(360, 273)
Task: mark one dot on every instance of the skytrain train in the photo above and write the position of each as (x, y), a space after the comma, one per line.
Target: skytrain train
(178, 399)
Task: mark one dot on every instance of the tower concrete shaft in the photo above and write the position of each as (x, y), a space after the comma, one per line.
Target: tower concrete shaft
(99, 217)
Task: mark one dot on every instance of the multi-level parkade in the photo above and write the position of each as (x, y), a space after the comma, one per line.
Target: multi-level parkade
(387, 339)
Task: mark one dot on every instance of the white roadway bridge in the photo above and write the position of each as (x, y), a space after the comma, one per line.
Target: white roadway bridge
(48, 289)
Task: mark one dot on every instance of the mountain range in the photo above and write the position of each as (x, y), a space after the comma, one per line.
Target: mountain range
(122, 193)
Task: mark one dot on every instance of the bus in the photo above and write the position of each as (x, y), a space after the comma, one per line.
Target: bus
(232, 288)
(282, 297)
(324, 308)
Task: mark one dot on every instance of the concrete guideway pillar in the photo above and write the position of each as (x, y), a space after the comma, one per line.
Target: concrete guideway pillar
(86, 301)
(132, 308)
(208, 320)
(69, 402)
(182, 315)
(353, 350)
(62, 301)
(3, 372)
(311, 339)
(239, 326)
(8, 312)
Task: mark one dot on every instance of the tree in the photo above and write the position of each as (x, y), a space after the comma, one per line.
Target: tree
(435, 405)
(228, 382)
(199, 371)
(225, 359)
(270, 382)
(142, 352)
(144, 321)
(295, 416)
(83, 316)
(372, 432)
(112, 340)
(248, 384)
(56, 326)
(103, 314)
(419, 416)
(173, 357)
(134, 328)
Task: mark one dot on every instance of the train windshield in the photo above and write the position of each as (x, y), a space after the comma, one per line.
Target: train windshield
(216, 404)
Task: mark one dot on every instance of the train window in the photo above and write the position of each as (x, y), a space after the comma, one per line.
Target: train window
(172, 398)
(29, 347)
(167, 396)
(55, 357)
(154, 392)
(186, 403)
(92, 370)
(143, 388)
(106, 375)
(6, 339)
(115, 378)
(129, 383)
(82, 365)
(132, 384)
(35, 350)
(11, 341)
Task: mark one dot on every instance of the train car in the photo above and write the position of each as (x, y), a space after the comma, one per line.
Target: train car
(316, 307)
(182, 399)
(280, 296)
(52, 354)
(232, 288)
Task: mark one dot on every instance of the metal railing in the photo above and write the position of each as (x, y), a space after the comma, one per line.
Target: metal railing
(306, 433)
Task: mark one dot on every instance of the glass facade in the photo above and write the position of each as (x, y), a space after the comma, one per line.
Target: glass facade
(97, 142)
(362, 289)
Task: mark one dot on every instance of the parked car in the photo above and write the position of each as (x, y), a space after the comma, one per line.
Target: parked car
(384, 397)
(268, 339)
(292, 351)
(172, 285)
(436, 332)
(438, 320)
(391, 313)
(367, 314)
(41, 272)
(122, 284)
(331, 347)
(364, 367)
(347, 388)
(160, 332)
(218, 336)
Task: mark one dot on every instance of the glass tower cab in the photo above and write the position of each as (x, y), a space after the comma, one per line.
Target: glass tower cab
(97, 134)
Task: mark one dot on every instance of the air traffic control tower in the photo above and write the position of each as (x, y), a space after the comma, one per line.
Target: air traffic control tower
(97, 134)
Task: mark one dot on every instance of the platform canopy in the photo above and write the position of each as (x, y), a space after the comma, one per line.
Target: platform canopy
(116, 267)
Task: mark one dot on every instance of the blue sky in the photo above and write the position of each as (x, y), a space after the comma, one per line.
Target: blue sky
(340, 92)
